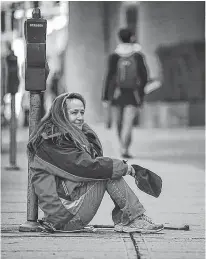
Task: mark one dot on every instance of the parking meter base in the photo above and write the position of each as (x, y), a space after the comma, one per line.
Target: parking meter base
(29, 226)
(12, 168)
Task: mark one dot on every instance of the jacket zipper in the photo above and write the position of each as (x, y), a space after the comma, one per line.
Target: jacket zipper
(65, 188)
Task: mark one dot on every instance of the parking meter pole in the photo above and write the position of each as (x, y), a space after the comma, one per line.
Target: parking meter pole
(34, 118)
(35, 82)
(32, 201)
(12, 147)
(35, 109)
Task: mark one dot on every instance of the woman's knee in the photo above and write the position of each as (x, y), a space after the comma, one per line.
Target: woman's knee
(91, 202)
(115, 182)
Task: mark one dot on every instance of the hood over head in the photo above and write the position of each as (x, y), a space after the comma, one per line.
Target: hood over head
(127, 49)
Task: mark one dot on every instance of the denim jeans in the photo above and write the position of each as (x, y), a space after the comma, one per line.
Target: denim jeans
(127, 205)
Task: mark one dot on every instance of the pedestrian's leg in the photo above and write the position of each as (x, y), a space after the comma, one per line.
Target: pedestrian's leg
(109, 118)
(119, 111)
(26, 118)
(127, 205)
(128, 121)
(91, 195)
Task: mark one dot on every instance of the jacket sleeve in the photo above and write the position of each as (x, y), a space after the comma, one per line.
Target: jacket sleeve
(108, 89)
(79, 163)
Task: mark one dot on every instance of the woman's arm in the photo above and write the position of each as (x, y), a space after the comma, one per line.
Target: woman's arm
(79, 163)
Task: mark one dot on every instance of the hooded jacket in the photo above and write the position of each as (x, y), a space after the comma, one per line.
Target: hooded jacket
(58, 169)
(124, 50)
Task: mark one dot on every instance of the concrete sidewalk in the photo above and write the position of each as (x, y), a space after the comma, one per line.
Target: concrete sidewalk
(176, 155)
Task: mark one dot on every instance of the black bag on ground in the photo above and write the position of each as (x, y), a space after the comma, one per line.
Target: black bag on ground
(147, 181)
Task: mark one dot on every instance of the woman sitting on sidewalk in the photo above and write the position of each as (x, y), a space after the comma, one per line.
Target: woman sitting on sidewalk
(70, 174)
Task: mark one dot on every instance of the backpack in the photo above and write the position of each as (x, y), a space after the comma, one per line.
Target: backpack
(127, 76)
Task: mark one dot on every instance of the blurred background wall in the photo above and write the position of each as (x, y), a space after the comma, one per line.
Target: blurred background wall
(172, 37)
(169, 23)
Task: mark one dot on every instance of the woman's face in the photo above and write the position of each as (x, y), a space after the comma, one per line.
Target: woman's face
(75, 109)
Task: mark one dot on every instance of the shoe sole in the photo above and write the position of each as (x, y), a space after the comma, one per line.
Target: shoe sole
(86, 229)
(143, 231)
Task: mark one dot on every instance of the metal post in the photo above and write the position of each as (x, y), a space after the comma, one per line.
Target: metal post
(32, 200)
(36, 105)
(13, 132)
(12, 144)
(34, 118)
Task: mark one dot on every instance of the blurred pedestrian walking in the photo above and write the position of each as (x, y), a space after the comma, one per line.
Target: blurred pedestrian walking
(124, 86)
(55, 84)
(3, 89)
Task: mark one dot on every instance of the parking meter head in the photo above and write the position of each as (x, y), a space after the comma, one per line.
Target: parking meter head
(13, 77)
(35, 30)
(35, 35)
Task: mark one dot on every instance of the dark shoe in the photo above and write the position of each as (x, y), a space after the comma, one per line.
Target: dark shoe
(46, 226)
(147, 181)
(127, 156)
(108, 124)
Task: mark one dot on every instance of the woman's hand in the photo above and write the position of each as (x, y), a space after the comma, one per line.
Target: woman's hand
(130, 171)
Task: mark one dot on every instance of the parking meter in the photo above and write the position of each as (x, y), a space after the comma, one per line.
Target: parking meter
(35, 67)
(12, 75)
(36, 72)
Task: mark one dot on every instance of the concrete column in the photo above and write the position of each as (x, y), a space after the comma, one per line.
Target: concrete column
(113, 14)
(85, 55)
(122, 15)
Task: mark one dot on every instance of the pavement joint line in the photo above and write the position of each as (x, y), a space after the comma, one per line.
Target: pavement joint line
(135, 246)
(148, 250)
(125, 249)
